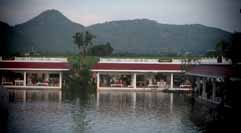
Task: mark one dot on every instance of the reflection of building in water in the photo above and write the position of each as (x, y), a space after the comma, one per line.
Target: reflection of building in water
(143, 74)
(126, 101)
(35, 95)
(32, 72)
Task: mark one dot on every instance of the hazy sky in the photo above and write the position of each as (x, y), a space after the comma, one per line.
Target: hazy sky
(224, 14)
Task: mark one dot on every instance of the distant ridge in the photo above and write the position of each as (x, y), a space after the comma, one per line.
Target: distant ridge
(51, 32)
(148, 36)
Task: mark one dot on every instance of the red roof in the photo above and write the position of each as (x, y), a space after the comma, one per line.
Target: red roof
(212, 70)
(133, 66)
(34, 65)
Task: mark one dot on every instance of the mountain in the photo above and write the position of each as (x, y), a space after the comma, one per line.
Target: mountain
(147, 36)
(11, 41)
(4, 35)
(51, 32)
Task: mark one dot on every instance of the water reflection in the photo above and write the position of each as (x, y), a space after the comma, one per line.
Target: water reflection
(143, 112)
(34, 95)
(129, 100)
(43, 111)
(53, 111)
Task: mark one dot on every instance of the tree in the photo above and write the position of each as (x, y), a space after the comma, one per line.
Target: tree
(220, 48)
(83, 40)
(232, 49)
(101, 50)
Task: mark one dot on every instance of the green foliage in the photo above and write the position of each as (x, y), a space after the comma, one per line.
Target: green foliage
(80, 78)
(88, 61)
(211, 53)
(101, 50)
(231, 49)
(221, 48)
(83, 40)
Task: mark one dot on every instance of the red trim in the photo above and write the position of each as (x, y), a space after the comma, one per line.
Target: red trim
(212, 70)
(35, 65)
(130, 66)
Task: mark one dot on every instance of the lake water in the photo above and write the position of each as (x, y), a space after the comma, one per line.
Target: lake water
(108, 112)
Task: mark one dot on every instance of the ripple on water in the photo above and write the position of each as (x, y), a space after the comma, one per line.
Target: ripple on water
(111, 112)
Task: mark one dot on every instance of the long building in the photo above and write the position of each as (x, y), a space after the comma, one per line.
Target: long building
(145, 74)
(32, 72)
(214, 83)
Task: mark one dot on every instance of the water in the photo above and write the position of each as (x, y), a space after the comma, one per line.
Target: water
(108, 112)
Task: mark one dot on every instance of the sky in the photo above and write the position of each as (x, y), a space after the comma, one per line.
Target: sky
(223, 14)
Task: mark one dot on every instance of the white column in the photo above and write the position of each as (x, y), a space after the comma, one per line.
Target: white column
(24, 78)
(60, 79)
(150, 79)
(134, 81)
(47, 76)
(97, 80)
(171, 81)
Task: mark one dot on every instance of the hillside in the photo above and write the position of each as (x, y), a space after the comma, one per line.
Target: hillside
(12, 41)
(147, 36)
(51, 32)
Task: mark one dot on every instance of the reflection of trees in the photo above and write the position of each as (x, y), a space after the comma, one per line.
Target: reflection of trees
(79, 91)
(79, 118)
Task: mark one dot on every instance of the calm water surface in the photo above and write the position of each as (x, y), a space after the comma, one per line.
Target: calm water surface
(119, 112)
